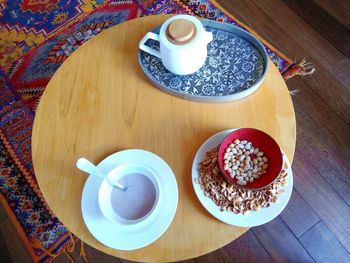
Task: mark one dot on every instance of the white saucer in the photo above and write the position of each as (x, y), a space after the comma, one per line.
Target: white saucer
(130, 236)
(254, 218)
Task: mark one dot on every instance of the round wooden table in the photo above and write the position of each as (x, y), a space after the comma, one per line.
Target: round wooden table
(100, 102)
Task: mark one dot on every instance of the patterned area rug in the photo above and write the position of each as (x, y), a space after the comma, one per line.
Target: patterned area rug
(36, 36)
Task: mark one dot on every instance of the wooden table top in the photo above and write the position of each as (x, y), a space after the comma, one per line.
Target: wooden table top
(100, 102)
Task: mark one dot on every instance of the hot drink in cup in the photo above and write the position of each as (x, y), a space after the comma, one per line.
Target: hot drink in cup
(134, 204)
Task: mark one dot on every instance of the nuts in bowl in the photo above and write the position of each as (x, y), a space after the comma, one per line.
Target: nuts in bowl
(250, 158)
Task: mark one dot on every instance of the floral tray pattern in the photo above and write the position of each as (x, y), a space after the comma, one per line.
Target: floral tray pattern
(235, 64)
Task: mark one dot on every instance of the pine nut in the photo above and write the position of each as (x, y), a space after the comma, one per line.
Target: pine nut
(259, 154)
(244, 162)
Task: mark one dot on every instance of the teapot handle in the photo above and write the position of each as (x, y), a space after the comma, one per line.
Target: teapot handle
(142, 46)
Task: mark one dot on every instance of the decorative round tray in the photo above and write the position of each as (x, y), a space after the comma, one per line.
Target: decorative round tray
(235, 67)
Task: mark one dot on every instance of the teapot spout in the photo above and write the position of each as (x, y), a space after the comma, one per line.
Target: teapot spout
(208, 36)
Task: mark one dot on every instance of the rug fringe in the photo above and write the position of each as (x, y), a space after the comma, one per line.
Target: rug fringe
(71, 245)
(71, 260)
(82, 252)
(70, 248)
(303, 68)
(35, 243)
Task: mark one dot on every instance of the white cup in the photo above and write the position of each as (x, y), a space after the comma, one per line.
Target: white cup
(108, 196)
(181, 59)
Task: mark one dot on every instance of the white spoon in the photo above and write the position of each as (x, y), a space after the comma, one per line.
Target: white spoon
(88, 167)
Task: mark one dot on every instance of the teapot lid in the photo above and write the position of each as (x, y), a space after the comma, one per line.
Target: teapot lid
(181, 31)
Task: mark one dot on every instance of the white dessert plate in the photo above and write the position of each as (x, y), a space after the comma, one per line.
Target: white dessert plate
(253, 218)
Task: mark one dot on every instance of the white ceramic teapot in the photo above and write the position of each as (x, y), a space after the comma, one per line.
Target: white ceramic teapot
(183, 44)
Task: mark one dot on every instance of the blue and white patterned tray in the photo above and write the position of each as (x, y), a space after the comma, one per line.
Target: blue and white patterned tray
(235, 67)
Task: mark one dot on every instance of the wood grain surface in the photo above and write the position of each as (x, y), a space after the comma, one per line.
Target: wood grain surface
(321, 166)
(99, 102)
(181, 31)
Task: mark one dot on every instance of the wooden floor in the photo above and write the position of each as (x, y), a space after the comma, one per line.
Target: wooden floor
(315, 226)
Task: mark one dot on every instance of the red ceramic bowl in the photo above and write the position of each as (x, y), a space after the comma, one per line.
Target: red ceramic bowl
(266, 144)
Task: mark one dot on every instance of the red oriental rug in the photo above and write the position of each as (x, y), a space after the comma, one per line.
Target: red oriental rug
(35, 39)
